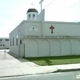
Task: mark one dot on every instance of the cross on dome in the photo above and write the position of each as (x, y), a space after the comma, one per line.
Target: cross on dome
(32, 5)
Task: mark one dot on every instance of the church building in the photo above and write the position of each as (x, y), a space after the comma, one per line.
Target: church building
(36, 37)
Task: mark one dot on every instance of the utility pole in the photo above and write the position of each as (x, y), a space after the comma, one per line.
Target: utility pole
(4, 51)
(41, 4)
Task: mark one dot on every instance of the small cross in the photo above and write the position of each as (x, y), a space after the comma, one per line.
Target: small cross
(52, 29)
(32, 5)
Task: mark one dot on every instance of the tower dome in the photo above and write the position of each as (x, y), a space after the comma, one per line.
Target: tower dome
(32, 14)
(32, 10)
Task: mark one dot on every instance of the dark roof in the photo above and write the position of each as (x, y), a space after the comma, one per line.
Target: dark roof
(32, 10)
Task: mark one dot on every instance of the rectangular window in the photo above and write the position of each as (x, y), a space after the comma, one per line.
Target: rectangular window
(20, 41)
(6, 39)
(16, 41)
(13, 41)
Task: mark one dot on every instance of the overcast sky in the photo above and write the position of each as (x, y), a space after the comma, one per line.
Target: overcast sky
(12, 12)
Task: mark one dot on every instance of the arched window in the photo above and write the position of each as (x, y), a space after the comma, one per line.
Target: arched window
(29, 15)
(16, 41)
(33, 15)
(20, 41)
(13, 41)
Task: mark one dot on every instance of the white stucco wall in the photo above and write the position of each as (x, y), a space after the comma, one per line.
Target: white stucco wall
(14, 49)
(62, 29)
(41, 16)
(43, 28)
(64, 41)
(28, 25)
(51, 47)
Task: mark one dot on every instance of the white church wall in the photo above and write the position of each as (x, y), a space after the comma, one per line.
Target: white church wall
(43, 29)
(29, 31)
(21, 29)
(61, 29)
(75, 47)
(55, 47)
(41, 16)
(41, 49)
(36, 47)
(33, 48)
(44, 48)
(13, 45)
(65, 47)
(25, 41)
(14, 50)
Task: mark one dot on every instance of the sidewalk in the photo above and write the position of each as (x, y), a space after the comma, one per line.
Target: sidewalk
(11, 66)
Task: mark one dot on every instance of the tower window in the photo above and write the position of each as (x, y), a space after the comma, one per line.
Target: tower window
(20, 41)
(0, 39)
(13, 41)
(16, 41)
(29, 15)
(3, 45)
(33, 15)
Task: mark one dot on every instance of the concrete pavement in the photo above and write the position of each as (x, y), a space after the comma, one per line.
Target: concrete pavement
(10, 66)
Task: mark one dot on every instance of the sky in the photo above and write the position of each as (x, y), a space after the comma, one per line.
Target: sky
(12, 12)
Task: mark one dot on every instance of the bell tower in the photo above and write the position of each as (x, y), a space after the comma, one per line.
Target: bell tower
(32, 14)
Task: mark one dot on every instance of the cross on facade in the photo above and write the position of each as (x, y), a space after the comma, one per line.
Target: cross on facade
(52, 29)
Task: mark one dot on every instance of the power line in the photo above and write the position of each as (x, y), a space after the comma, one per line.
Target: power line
(49, 4)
